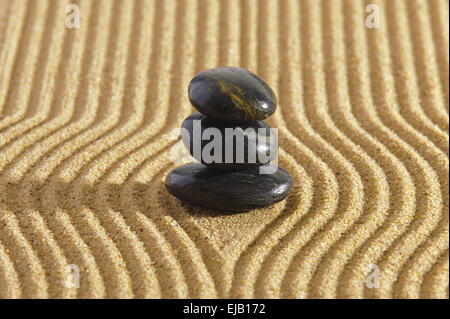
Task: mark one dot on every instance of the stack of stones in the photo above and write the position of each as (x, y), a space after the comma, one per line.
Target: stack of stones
(232, 144)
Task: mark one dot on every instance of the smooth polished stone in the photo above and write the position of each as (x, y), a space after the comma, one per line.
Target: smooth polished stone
(228, 190)
(232, 95)
(227, 146)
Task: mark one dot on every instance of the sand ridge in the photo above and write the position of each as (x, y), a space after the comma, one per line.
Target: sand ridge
(86, 138)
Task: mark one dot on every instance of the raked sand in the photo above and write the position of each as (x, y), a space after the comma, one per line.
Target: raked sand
(87, 122)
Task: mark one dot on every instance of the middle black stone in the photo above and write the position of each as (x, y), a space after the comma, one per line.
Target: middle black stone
(228, 146)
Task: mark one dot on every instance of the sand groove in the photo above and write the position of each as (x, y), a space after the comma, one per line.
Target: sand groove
(88, 122)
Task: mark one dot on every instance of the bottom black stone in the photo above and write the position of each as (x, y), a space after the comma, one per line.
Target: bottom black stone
(228, 190)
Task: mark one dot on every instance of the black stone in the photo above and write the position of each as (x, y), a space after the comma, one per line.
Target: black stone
(227, 190)
(260, 144)
(232, 95)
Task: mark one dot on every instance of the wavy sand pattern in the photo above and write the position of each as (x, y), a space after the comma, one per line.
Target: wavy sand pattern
(86, 138)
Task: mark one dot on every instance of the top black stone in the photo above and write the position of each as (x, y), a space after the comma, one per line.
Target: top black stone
(232, 95)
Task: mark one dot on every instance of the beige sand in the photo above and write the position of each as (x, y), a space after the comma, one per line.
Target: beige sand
(86, 122)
